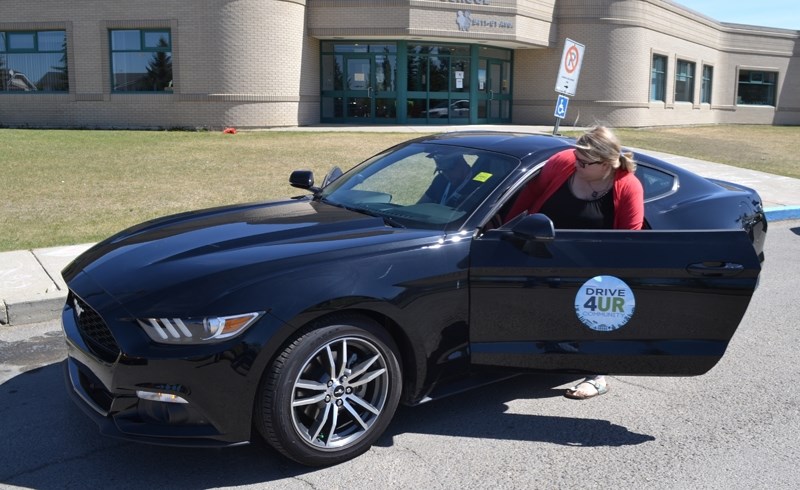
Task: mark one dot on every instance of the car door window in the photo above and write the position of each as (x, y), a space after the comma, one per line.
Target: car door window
(656, 183)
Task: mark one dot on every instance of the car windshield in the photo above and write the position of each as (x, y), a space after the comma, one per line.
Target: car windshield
(421, 185)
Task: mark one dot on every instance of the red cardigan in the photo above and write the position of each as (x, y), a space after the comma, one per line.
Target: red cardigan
(628, 192)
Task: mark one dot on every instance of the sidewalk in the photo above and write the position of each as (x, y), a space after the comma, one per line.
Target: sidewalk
(32, 289)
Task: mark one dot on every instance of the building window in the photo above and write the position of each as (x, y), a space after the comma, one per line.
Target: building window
(757, 87)
(658, 78)
(684, 81)
(141, 60)
(438, 81)
(705, 90)
(33, 61)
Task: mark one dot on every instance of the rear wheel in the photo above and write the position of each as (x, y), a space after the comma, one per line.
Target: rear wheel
(331, 393)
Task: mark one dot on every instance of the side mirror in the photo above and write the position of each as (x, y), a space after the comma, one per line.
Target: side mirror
(303, 179)
(534, 227)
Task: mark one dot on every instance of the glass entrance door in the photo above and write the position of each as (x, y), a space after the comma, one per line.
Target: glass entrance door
(494, 91)
(370, 88)
(417, 83)
(358, 87)
(493, 86)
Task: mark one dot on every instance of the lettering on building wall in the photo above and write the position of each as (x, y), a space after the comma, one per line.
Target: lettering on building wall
(470, 2)
(465, 20)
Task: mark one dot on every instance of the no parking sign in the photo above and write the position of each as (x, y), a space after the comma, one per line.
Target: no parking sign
(570, 67)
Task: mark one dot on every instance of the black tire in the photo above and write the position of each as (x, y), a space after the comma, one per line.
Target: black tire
(318, 410)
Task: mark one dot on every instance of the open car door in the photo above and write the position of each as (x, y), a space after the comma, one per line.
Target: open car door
(607, 301)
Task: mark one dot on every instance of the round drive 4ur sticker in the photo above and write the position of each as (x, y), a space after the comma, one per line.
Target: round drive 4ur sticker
(604, 303)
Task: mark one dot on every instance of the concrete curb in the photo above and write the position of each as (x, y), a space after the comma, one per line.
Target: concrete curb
(36, 310)
(31, 287)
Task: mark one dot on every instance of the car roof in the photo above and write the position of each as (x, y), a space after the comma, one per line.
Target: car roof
(519, 145)
(525, 146)
(535, 148)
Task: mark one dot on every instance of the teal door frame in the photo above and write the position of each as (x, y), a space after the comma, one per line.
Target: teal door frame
(364, 109)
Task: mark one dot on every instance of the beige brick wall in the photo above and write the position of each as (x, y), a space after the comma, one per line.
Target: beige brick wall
(255, 63)
(530, 20)
(621, 38)
(247, 63)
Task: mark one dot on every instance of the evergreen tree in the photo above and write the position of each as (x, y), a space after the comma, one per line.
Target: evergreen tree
(61, 83)
(159, 70)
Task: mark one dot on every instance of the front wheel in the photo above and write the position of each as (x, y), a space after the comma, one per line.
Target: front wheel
(331, 393)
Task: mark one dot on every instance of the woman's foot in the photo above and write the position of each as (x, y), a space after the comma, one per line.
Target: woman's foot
(588, 388)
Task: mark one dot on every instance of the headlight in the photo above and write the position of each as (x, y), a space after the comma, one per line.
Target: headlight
(196, 330)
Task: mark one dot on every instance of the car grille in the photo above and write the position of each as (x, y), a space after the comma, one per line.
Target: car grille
(95, 332)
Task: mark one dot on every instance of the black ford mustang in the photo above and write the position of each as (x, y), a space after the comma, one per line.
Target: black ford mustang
(310, 319)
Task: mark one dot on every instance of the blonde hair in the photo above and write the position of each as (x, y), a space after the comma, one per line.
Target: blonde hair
(601, 144)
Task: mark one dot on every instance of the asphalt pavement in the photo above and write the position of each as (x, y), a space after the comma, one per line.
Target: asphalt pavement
(32, 289)
(733, 428)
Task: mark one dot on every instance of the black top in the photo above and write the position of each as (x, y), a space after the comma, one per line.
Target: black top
(568, 212)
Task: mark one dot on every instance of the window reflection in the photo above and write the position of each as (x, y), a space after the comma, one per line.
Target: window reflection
(684, 81)
(332, 73)
(156, 39)
(332, 107)
(385, 72)
(756, 87)
(385, 108)
(33, 62)
(658, 78)
(350, 47)
(21, 41)
(705, 90)
(125, 40)
(413, 185)
(439, 73)
(141, 61)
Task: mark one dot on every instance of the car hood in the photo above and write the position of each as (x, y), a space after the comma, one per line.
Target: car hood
(204, 255)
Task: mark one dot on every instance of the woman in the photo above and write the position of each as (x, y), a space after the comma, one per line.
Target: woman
(590, 187)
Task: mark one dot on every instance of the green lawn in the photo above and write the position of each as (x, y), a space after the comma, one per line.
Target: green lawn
(771, 149)
(68, 187)
(62, 187)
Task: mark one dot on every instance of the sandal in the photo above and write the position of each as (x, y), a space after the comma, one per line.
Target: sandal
(575, 394)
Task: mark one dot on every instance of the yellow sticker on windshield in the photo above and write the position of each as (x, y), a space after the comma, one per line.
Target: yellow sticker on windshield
(482, 177)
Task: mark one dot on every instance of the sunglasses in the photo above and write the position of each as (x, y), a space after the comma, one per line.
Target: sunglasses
(583, 163)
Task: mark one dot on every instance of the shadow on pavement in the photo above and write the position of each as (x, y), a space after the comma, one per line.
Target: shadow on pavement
(49, 443)
(482, 414)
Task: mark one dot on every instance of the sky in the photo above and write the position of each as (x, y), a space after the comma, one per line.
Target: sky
(769, 13)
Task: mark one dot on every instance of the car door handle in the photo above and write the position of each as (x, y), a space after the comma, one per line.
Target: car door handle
(715, 269)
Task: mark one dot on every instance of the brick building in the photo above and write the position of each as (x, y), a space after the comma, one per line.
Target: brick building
(263, 63)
